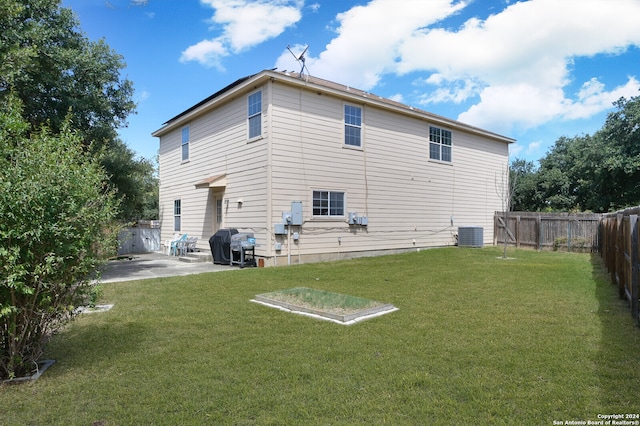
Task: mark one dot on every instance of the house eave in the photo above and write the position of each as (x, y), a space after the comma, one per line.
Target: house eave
(323, 87)
(356, 95)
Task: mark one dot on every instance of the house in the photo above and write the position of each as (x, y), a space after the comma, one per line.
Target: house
(321, 171)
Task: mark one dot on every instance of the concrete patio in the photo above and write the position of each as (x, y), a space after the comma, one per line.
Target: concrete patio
(156, 265)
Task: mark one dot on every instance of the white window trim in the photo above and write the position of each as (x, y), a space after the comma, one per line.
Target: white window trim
(450, 163)
(361, 127)
(330, 217)
(179, 215)
(188, 143)
(259, 136)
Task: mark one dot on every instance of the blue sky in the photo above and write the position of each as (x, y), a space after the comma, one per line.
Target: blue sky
(534, 70)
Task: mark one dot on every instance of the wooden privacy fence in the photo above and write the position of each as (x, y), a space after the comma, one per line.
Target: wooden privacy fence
(548, 231)
(619, 251)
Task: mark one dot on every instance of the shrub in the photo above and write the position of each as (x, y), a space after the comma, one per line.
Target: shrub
(54, 213)
(579, 244)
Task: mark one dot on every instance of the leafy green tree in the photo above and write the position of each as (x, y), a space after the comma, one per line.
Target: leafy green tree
(58, 74)
(555, 186)
(526, 196)
(136, 179)
(54, 69)
(55, 213)
(599, 172)
(621, 157)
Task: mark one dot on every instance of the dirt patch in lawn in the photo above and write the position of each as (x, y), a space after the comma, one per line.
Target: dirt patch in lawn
(340, 308)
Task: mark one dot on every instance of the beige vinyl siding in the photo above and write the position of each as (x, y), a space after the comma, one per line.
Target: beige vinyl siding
(391, 181)
(218, 145)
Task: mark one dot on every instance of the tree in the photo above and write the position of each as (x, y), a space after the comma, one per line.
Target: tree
(555, 184)
(621, 135)
(54, 69)
(505, 188)
(526, 196)
(135, 180)
(59, 74)
(599, 172)
(55, 213)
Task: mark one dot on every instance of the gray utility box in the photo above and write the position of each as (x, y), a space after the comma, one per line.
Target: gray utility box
(296, 212)
(470, 236)
(279, 229)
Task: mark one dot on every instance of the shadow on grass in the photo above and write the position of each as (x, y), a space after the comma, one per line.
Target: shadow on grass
(617, 358)
(93, 343)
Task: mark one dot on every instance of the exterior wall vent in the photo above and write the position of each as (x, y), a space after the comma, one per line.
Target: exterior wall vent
(470, 236)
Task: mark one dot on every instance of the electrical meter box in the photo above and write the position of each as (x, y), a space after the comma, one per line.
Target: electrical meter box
(278, 229)
(296, 212)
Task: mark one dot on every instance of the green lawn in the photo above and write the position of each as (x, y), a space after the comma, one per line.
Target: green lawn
(476, 340)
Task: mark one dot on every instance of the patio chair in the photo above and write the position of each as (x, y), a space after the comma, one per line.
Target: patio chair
(186, 245)
(166, 247)
(176, 245)
(190, 244)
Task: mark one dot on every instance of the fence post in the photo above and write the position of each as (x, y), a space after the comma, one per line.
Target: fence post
(539, 231)
(620, 254)
(635, 260)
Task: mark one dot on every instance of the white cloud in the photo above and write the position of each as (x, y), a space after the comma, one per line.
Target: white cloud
(244, 24)
(457, 91)
(143, 96)
(515, 150)
(397, 97)
(207, 52)
(314, 7)
(368, 39)
(501, 106)
(593, 98)
(532, 149)
(514, 65)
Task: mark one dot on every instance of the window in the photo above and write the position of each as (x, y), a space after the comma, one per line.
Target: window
(176, 215)
(328, 203)
(255, 115)
(185, 143)
(439, 144)
(352, 125)
(219, 211)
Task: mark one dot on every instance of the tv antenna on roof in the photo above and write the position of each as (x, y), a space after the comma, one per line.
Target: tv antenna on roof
(301, 59)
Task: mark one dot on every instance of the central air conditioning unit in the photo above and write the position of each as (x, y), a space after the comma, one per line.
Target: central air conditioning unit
(470, 236)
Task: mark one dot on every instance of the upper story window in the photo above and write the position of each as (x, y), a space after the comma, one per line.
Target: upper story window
(352, 125)
(255, 114)
(328, 203)
(439, 144)
(185, 143)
